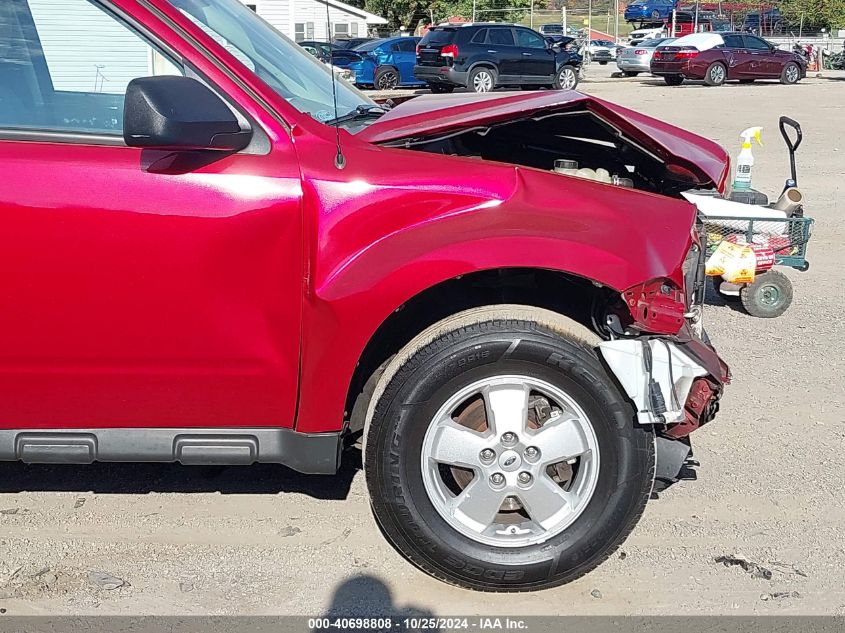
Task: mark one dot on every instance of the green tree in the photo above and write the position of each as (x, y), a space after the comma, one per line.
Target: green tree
(829, 14)
(486, 10)
(398, 13)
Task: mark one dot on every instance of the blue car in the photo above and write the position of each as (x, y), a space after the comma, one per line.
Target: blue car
(639, 10)
(387, 64)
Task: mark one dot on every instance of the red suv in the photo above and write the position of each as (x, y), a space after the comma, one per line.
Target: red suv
(214, 254)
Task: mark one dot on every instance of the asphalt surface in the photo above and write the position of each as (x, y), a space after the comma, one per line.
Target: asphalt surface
(153, 539)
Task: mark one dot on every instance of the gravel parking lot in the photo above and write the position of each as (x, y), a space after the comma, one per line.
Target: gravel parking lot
(144, 539)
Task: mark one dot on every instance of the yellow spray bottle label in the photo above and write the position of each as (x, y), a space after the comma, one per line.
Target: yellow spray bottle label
(745, 161)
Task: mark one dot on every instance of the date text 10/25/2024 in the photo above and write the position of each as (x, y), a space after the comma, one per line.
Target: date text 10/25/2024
(421, 623)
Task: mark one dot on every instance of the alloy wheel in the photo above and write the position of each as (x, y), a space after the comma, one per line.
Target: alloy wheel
(388, 81)
(567, 78)
(717, 74)
(482, 82)
(510, 461)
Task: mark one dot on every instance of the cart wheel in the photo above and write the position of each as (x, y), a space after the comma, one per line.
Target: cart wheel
(717, 289)
(768, 296)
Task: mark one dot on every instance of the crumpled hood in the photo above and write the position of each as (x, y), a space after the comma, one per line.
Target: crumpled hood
(431, 115)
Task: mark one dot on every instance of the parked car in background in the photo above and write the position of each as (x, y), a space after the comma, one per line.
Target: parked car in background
(387, 63)
(565, 41)
(323, 54)
(602, 51)
(351, 42)
(647, 32)
(483, 57)
(720, 57)
(633, 60)
(770, 23)
(209, 273)
(639, 10)
(330, 53)
(721, 25)
(342, 73)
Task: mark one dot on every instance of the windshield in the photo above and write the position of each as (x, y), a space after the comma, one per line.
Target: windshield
(294, 74)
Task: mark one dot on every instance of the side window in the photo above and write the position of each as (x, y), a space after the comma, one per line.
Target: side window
(755, 43)
(529, 39)
(480, 37)
(65, 65)
(734, 41)
(501, 37)
(406, 46)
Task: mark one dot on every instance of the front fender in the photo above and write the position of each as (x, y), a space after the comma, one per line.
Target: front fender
(380, 241)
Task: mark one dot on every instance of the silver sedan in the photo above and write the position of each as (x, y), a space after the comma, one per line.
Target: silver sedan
(633, 60)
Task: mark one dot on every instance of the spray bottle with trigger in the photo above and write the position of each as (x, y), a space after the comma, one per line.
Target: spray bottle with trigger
(742, 179)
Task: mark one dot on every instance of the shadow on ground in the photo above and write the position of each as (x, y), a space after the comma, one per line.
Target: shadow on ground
(365, 596)
(146, 478)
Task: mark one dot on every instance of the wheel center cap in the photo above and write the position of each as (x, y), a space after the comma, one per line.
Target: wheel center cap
(510, 461)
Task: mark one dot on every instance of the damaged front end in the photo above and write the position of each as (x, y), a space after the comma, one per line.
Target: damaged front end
(663, 360)
(655, 344)
(661, 355)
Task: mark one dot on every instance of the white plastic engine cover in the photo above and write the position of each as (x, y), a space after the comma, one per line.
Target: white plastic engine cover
(626, 359)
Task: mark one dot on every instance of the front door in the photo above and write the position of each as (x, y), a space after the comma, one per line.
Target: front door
(538, 58)
(137, 288)
(763, 62)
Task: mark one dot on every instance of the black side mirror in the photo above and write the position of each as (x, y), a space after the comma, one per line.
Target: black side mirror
(179, 113)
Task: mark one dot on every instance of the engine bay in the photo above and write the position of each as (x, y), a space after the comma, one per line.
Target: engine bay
(578, 142)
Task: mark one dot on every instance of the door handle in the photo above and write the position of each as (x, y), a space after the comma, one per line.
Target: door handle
(492, 51)
(527, 54)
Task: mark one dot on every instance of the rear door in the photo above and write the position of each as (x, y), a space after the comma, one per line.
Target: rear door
(137, 288)
(502, 46)
(538, 59)
(736, 56)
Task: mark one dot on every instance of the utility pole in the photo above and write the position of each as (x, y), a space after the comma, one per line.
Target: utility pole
(473, 10)
(590, 20)
(616, 8)
(532, 14)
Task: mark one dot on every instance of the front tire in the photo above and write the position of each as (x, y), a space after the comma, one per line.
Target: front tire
(575, 476)
(673, 80)
(630, 73)
(567, 78)
(791, 74)
(441, 89)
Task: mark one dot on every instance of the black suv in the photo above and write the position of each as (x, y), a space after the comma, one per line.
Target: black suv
(484, 56)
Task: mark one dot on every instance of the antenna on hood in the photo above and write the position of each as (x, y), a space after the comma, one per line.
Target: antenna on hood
(339, 159)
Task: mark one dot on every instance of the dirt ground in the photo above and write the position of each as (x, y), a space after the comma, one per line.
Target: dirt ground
(151, 539)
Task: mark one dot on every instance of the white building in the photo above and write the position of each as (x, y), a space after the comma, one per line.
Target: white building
(306, 19)
(87, 50)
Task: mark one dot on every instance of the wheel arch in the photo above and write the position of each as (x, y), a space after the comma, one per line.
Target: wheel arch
(560, 299)
(484, 63)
